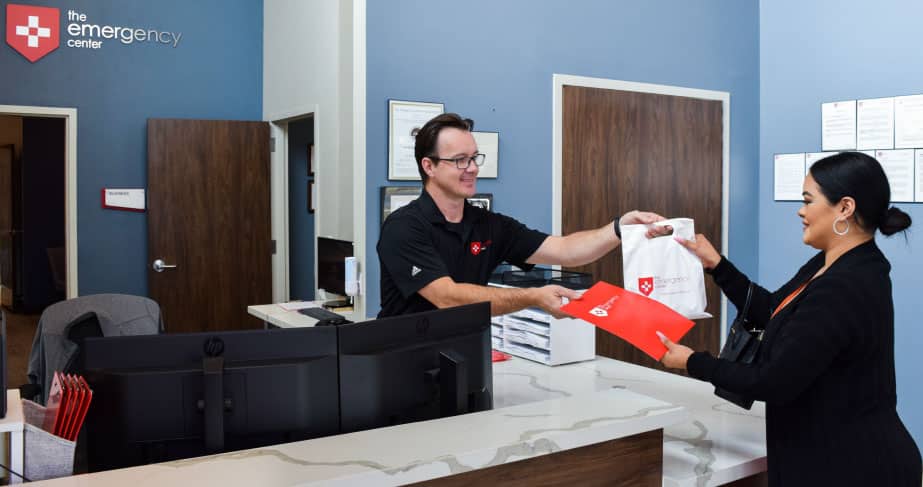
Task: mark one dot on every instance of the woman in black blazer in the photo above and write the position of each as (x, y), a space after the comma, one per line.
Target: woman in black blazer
(826, 364)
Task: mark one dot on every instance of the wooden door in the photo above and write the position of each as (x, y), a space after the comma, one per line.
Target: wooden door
(626, 150)
(208, 214)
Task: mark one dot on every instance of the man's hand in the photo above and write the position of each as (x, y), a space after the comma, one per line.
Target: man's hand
(549, 298)
(636, 217)
(676, 356)
(703, 249)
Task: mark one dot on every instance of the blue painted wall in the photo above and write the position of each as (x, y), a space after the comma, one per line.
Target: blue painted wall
(300, 222)
(214, 73)
(493, 62)
(826, 50)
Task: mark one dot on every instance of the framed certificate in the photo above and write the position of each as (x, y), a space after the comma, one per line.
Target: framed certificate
(482, 200)
(394, 197)
(489, 145)
(403, 118)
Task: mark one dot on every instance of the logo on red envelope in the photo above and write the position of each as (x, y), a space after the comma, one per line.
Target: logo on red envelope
(598, 311)
(646, 285)
(32, 31)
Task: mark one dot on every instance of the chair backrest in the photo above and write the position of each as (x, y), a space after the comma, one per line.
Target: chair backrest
(63, 325)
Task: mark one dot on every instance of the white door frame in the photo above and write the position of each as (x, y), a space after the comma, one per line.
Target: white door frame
(561, 80)
(70, 180)
(278, 130)
(359, 162)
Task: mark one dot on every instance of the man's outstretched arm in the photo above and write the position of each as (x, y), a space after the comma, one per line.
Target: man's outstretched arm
(445, 293)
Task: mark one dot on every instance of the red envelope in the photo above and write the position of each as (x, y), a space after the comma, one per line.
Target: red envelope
(629, 316)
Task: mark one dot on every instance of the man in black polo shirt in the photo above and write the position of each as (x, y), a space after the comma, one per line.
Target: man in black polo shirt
(439, 250)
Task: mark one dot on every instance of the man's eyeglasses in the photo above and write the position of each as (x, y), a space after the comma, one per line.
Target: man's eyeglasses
(464, 162)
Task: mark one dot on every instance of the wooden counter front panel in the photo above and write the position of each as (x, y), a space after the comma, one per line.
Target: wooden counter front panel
(635, 460)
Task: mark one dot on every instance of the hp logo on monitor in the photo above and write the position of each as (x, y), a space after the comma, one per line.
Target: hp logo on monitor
(213, 347)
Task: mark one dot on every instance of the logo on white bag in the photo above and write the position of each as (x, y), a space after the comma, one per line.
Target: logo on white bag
(646, 285)
(597, 311)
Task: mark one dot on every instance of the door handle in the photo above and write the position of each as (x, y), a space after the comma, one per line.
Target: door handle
(159, 265)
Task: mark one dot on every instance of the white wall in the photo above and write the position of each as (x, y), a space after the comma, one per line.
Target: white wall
(308, 67)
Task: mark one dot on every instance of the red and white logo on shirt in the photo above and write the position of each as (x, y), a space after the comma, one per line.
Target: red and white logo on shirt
(646, 285)
(478, 247)
(32, 31)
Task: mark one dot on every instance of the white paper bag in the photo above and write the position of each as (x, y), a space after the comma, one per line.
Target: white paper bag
(662, 269)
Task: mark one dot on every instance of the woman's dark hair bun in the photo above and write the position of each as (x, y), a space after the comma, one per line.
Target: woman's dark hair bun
(894, 221)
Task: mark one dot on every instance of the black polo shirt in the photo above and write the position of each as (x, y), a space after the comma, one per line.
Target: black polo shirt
(418, 246)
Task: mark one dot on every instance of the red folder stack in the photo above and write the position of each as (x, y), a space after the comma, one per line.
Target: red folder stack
(630, 316)
(498, 356)
(68, 401)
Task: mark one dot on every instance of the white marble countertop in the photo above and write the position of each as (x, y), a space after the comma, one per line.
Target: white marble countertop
(537, 409)
(719, 443)
(418, 451)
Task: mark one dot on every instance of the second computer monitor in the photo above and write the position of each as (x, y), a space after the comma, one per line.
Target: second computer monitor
(331, 266)
(415, 367)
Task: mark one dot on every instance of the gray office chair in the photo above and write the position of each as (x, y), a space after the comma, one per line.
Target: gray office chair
(64, 325)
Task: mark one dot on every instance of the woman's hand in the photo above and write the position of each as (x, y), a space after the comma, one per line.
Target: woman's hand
(676, 356)
(703, 249)
(636, 217)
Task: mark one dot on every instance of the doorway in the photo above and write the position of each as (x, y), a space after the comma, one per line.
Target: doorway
(302, 204)
(37, 222)
(69, 118)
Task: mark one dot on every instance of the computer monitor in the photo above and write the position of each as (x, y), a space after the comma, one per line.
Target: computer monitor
(331, 268)
(165, 397)
(415, 367)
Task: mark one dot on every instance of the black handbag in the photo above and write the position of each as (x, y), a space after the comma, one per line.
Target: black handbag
(743, 343)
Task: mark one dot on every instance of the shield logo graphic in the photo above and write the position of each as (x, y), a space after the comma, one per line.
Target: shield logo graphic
(32, 31)
(646, 285)
(476, 248)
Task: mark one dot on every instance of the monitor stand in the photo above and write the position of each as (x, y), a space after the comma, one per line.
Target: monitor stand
(213, 404)
(453, 384)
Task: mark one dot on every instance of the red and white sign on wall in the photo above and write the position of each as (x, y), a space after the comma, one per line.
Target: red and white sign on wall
(32, 31)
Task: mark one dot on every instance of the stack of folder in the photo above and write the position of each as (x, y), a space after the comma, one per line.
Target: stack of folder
(68, 401)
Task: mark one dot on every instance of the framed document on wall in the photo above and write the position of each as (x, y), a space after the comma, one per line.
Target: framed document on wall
(403, 118)
(489, 145)
(482, 200)
(394, 197)
(311, 196)
(310, 160)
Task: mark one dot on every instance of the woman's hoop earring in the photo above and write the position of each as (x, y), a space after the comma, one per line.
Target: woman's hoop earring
(836, 231)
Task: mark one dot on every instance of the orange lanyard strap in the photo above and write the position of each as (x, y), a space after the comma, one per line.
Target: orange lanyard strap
(788, 299)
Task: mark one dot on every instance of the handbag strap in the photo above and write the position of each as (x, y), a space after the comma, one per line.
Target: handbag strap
(746, 309)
